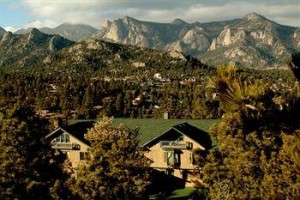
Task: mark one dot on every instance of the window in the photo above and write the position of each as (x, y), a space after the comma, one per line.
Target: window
(83, 155)
(191, 158)
(67, 138)
(63, 138)
(171, 157)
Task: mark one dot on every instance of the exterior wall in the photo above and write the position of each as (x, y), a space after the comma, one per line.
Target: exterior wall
(74, 154)
(186, 168)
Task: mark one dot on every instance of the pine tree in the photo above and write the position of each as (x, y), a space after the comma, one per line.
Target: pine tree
(253, 158)
(115, 167)
(30, 169)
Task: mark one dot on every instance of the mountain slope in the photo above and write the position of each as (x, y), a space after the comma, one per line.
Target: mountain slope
(24, 50)
(252, 41)
(74, 32)
(2, 31)
(118, 61)
(40, 52)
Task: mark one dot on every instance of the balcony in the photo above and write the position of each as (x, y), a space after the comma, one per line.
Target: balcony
(176, 145)
(65, 146)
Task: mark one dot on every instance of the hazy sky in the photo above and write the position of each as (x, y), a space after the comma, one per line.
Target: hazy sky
(37, 13)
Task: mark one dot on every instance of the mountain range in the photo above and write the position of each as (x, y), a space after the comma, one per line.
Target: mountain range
(37, 51)
(252, 41)
(74, 32)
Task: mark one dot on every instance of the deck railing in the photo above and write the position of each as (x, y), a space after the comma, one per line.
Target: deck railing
(67, 146)
(176, 144)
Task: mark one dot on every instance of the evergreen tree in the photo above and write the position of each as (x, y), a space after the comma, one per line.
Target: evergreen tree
(30, 169)
(294, 65)
(253, 159)
(115, 167)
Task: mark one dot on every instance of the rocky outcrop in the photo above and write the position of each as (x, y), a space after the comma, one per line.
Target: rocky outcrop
(235, 41)
(24, 50)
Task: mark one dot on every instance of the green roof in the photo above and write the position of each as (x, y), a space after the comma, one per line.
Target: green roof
(151, 128)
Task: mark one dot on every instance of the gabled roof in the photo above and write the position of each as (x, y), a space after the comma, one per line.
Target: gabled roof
(77, 130)
(198, 135)
(151, 128)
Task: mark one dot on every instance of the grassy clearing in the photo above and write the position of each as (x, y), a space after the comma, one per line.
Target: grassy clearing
(182, 193)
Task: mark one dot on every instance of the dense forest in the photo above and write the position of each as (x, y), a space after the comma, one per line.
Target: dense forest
(181, 91)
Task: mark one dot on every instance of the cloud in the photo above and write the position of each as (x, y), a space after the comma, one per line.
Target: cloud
(54, 12)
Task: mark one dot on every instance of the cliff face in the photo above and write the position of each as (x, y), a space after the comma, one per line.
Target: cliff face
(252, 41)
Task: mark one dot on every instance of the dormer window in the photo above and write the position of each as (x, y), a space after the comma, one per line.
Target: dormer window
(63, 138)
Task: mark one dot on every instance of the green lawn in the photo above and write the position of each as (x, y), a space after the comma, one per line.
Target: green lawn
(182, 193)
(150, 128)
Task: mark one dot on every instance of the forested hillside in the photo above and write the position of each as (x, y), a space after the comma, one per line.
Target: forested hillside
(94, 78)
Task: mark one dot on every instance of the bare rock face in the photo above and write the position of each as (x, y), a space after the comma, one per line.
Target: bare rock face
(117, 31)
(177, 55)
(196, 40)
(238, 41)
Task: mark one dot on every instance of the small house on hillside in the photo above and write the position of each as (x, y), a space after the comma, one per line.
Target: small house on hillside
(70, 140)
(172, 152)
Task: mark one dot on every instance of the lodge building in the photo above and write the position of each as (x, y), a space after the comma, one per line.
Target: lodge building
(171, 152)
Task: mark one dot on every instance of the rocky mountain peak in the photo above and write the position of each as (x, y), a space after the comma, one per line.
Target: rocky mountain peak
(128, 20)
(251, 41)
(179, 22)
(253, 17)
(106, 23)
(57, 43)
(35, 35)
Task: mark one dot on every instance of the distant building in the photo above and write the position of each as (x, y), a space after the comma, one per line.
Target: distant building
(157, 76)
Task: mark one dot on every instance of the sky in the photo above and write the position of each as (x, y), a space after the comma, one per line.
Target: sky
(50, 13)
